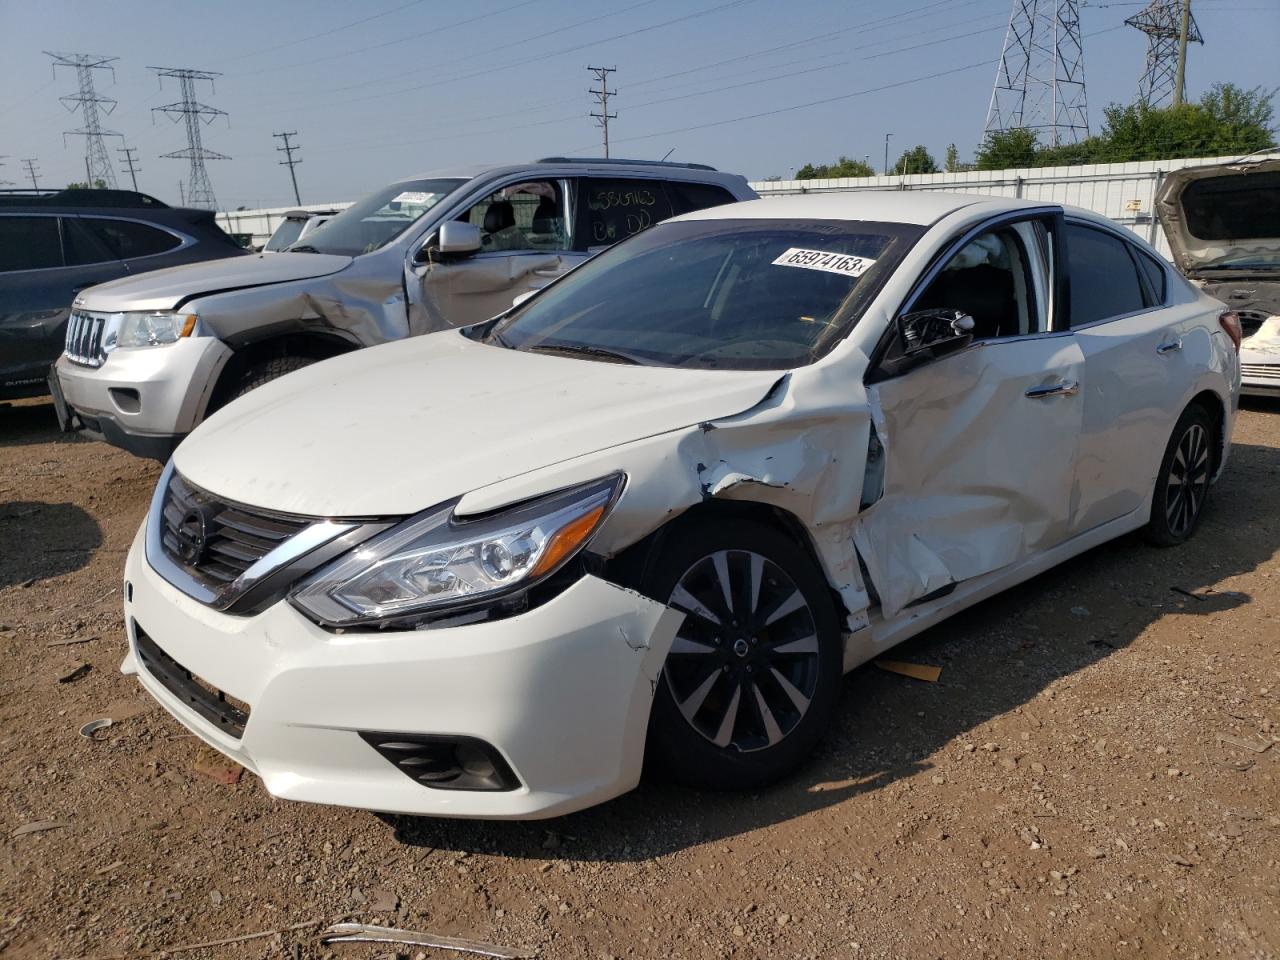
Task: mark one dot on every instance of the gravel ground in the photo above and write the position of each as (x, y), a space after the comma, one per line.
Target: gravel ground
(1064, 790)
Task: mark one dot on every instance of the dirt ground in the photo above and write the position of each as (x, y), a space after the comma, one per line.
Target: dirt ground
(1094, 775)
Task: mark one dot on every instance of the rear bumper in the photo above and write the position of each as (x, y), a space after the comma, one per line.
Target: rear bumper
(562, 692)
(147, 399)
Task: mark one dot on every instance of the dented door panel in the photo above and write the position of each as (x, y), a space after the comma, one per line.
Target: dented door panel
(483, 286)
(977, 473)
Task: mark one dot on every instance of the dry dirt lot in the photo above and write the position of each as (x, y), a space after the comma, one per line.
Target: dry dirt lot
(1065, 790)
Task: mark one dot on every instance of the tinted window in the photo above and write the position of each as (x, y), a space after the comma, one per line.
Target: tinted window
(687, 197)
(79, 246)
(1102, 276)
(127, 238)
(1154, 272)
(29, 243)
(617, 209)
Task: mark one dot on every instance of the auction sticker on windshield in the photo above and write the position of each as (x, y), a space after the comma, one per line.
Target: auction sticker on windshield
(413, 196)
(842, 263)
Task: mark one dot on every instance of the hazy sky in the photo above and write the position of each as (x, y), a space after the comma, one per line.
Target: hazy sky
(384, 89)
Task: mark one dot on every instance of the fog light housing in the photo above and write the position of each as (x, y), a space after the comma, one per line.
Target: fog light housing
(445, 762)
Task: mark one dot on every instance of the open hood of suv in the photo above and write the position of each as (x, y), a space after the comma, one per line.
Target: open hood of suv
(394, 429)
(166, 289)
(1224, 219)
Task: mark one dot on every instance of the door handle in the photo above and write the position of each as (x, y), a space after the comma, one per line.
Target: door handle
(1169, 346)
(547, 272)
(1063, 388)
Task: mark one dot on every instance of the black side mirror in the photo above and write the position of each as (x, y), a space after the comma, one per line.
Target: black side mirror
(934, 332)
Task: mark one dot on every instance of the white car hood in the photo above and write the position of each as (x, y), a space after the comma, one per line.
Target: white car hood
(394, 429)
(166, 289)
(1180, 211)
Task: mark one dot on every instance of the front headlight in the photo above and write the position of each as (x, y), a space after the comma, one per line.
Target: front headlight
(148, 329)
(435, 560)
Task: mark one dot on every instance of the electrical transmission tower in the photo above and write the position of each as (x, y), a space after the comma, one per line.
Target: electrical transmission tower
(289, 162)
(193, 112)
(1161, 21)
(30, 164)
(602, 95)
(3, 158)
(97, 160)
(131, 163)
(1040, 81)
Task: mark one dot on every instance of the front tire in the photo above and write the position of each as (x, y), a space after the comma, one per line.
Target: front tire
(266, 371)
(753, 677)
(1182, 486)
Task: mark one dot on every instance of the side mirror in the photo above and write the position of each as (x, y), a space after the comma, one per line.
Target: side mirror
(935, 331)
(458, 239)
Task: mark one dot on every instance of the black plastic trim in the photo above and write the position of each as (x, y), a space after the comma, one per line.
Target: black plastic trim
(201, 696)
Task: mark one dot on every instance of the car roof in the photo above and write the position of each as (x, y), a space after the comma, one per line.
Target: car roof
(922, 207)
(563, 166)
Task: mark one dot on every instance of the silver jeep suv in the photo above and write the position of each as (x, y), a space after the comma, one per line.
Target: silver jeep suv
(147, 358)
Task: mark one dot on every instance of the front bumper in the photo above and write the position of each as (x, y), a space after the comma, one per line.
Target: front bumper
(562, 691)
(143, 399)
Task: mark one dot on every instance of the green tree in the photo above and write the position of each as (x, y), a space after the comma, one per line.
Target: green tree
(916, 160)
(81, 185)
(1002, 149)
(952, 162)
(844, 167)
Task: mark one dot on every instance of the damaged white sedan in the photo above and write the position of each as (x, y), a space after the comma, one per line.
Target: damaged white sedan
(657, 510)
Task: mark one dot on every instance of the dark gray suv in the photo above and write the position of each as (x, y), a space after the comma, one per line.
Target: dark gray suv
(54, 244)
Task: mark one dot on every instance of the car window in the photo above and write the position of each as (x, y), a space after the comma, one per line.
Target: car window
(128, 238)
(735, 294)
(1157, 279)
(289, 230)
(687, 197)
(29, 243)
(523, 216)
(617, 209)
(80, 246)
(374, 221)
(991, 279)
(1101, 276)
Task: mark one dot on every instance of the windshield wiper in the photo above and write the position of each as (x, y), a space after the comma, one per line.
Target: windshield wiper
(303, 248)
(583, 350)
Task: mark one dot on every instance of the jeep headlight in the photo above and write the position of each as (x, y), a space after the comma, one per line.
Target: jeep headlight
(148, 329)
(436, 560)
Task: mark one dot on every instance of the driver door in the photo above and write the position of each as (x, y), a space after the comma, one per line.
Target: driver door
(979, 438)
(526, 239)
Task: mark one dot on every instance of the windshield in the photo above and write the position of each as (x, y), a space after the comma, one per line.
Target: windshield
(378, 219)
(716, 294)
(285, 234)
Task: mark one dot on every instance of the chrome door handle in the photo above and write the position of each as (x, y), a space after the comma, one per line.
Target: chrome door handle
(1169, 346)
(1063, 388)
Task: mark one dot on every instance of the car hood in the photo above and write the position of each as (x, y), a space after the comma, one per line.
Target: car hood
(169, 288)
(1218, 215)
(394, 429)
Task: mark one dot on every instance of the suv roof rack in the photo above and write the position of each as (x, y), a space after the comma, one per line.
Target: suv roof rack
(642, 163)
(78, 197)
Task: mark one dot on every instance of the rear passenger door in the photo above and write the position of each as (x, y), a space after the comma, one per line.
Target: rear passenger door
(1138, 354)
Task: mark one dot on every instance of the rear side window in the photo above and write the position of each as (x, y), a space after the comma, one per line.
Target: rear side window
(29, 243)
(1156, 279)
(1102, 276)
(80, 246)
(617, 209)
(687, 197)
(128, 238)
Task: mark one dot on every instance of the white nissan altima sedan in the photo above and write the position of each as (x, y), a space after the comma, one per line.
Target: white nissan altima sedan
(655, 512)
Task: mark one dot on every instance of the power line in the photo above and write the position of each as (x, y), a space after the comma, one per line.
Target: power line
(86, 100)
(199, 190)
(602, 95)
(1160, 20)
(131, 162)
(30, 164)
(325, 33)
(289, 162)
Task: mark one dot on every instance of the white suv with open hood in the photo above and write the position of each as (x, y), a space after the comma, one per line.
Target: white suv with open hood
(660, 507)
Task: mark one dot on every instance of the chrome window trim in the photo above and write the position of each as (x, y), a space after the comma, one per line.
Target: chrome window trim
(308, 539)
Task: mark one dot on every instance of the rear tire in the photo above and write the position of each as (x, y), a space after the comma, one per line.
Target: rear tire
(753, 678)
(1182, 486)
(265, 372)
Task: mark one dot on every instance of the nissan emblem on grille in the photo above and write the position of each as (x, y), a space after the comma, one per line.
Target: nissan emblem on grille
(192, 535)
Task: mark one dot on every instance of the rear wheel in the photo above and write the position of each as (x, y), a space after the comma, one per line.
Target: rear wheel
(266, 371)
(753, 676)
(1182, 485)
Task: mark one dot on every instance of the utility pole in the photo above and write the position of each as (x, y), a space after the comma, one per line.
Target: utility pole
(886, 153)
(30, 163)
(1159, 20)
(97, 162)
(1179, 88)
(602, 96)
(190, 110)
(289, 162)
(132, 164)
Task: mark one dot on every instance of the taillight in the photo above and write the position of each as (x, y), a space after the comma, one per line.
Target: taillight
(1229, 320)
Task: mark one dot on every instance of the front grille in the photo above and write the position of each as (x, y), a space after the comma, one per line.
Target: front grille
(84, 338)
(216, 541)
(224, 712)
(1269, 371)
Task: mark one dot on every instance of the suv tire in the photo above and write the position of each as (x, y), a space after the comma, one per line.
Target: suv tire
(266, 371)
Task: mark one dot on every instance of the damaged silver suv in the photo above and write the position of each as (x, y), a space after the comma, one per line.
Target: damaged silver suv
(148, 358)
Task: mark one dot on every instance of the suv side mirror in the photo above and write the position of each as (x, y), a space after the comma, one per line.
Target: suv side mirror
(458, 239)
(936, 331)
